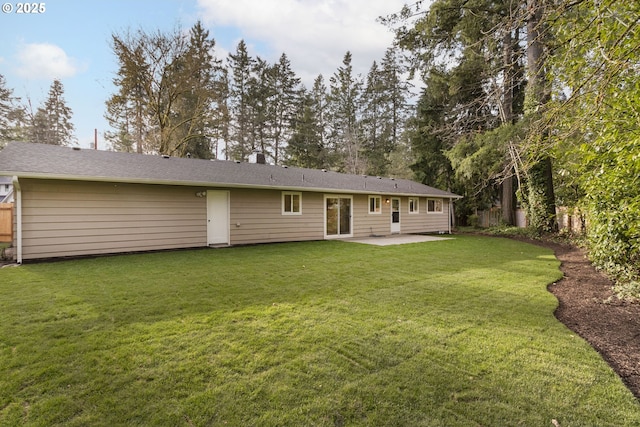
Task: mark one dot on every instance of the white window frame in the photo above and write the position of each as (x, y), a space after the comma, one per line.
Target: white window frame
(436, 201)
(414, 208)
(293, 194)
(378, 205)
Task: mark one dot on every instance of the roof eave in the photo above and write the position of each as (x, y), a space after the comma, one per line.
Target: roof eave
(216, 184)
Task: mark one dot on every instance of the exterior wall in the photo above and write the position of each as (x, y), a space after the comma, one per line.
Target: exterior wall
(68, 218)
(366, 224)
(72, 218)
(423, 221)
(256, 217)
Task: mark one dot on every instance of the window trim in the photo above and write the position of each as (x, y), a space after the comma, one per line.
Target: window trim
(284, 206)
(435, 200)
(416, 205)
(378, 205)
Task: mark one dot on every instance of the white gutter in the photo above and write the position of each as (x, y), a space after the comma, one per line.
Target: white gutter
(18, 200)
(210, 184)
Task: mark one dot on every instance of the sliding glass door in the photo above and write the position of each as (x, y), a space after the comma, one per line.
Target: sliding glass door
(338, 216)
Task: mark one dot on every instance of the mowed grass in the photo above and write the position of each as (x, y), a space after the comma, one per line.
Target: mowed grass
(450, 333)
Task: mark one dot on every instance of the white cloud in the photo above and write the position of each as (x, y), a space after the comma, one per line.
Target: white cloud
(315, 34)
(44, 61)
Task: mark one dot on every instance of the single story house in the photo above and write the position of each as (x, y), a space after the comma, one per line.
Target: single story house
(71, 202)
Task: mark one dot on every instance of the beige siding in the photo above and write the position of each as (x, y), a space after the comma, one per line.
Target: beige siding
(256, 217)
(423, 221)
(67, 218)
(71, 218)
(366, 224)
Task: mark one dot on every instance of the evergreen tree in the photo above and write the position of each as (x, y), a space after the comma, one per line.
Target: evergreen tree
(477, 43)
(241, 141)
(202, 96)
(221, 116)
(376, 126)
(344, 107)
(384, 109)
(12, 116)
(127, 111)
(398, 91)
(426, 135)
(307, 148)
(167, 90)
(282, 106)
(51, 123)
(260, 96)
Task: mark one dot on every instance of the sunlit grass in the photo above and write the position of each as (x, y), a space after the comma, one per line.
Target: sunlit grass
(457, 332)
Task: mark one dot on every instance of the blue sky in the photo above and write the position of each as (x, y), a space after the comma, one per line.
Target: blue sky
(71, 41)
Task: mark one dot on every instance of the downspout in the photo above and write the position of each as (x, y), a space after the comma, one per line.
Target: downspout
(18, 199)
(451, 214)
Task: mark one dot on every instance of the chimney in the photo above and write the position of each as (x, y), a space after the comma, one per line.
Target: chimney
(257, 157)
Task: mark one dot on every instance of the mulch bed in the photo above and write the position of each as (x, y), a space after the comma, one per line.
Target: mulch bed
(611, 326)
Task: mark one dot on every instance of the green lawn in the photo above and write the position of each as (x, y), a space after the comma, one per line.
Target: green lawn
(449, 333)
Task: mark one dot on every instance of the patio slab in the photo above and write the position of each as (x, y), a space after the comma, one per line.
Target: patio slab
(397, 239)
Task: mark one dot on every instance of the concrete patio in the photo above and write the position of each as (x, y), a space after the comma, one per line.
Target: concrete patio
(397, 239)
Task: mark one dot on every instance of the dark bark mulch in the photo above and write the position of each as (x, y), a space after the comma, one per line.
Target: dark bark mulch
(611, 326)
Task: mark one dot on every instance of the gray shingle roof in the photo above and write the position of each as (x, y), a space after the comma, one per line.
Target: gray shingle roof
(28, 160)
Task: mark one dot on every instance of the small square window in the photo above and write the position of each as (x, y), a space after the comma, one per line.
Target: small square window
(414, 205)
(291, 203)
(375, 204)
(434, 206)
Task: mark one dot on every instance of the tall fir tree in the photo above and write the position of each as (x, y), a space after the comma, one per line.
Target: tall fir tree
(260, 96)
(384, 112)
(376, 123)
(344, 109)
(127, 112)
(51, 124)
(13, 126)
(477, 45)
(398, 91)
(307, 148)
(241, 141)
(426, 136)
(201, 97)
(285, 90)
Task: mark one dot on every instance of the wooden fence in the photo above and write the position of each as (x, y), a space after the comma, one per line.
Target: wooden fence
(570, 220)
(493, 218)
(6, 222)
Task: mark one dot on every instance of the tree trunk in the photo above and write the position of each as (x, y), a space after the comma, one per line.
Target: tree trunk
(508, 194)
(538, 95)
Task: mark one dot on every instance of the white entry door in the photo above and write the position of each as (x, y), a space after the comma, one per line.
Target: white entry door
(217, 217)
(395, 216)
